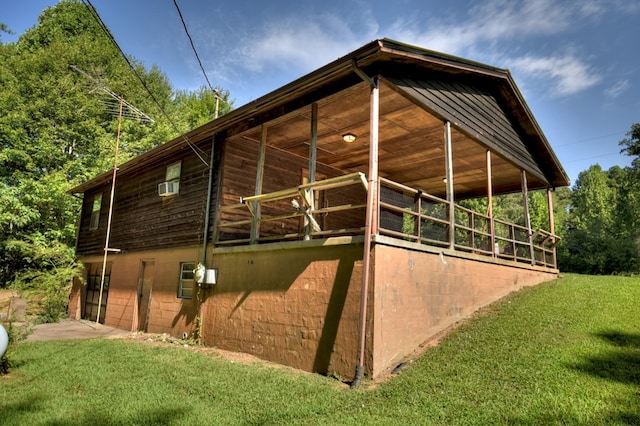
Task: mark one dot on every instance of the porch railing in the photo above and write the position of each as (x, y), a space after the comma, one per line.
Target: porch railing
(329, 207)
(417, 216)
(336, 206)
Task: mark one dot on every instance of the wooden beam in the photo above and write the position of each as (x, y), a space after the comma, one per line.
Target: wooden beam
(527, 214)
(371, 227)
(313, 149)
(492, 240)
(323, 185)
(552, 225)
(255, 219)
(448, 158)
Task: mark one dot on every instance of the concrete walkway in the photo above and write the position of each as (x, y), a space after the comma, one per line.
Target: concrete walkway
(72, 329)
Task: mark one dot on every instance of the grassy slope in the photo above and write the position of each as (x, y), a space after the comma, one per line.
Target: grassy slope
(566, 352)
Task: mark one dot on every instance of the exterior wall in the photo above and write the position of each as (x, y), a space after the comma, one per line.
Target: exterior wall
(418, 294)
(167, 313)
(142, 220)
(296, 304)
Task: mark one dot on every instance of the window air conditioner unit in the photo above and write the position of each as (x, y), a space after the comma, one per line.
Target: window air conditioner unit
(168, 188)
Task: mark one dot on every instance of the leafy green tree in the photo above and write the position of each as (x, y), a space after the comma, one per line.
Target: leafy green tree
(57, 131)
(199, 107)
(631, 144)
(602, 230)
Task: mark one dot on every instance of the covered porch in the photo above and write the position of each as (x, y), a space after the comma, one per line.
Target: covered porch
(400, 167)
(339, 229)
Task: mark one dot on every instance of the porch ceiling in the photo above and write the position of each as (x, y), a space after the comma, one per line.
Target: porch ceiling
(411, 143)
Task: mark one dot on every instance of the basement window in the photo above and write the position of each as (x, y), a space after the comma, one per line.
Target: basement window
(95, 212)
(186, 284)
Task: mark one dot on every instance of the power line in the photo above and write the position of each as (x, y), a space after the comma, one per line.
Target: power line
(96, 16)
(588, 139)
(591, 157)
(193, 47)
(216, 93)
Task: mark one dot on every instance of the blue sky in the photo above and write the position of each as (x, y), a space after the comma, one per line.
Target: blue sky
(576, 62)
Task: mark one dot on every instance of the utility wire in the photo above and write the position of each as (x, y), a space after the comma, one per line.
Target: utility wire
(215, 91)
(105, 29)
(587, 139)
(592, 157)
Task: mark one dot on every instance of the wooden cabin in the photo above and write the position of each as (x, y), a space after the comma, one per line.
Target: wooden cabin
(319, 226)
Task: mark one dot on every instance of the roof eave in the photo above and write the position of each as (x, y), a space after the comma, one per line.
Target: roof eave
(368, 54)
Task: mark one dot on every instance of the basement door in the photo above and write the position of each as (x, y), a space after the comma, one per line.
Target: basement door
(92, 296)
(143, 299)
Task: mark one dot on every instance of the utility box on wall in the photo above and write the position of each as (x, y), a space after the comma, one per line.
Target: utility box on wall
(205, 277)
(211, 277)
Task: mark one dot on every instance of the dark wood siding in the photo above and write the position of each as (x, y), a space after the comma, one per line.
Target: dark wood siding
(142, 219)
(475, 111)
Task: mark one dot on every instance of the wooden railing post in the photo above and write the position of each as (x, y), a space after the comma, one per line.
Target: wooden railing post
(527, 215)
(255, 218)
(313, 148)
(448, 155)
(492, 228)
(552, 225)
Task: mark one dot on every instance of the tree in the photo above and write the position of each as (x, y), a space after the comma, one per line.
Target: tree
(631, 144)
(602, 230)
(55, 132)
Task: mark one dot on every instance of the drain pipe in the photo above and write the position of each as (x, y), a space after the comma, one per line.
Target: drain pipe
(205, 236)
(371, 219)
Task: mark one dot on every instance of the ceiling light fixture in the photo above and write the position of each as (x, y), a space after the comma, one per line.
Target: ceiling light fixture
(348, 137)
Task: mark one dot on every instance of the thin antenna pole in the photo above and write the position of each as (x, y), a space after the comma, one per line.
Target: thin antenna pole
(132, 111)
(113, 190)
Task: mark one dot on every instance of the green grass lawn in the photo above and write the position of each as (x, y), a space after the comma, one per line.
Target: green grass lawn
(565, 352)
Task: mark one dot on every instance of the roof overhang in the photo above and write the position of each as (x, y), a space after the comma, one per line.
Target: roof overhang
(340, 90)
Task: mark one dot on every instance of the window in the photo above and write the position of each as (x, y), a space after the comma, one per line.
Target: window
(173, 171)
(95, 212)
(185, 287)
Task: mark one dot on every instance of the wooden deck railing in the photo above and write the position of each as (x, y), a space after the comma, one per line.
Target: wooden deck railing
(313, 210)
(414, 215)
(294, 213)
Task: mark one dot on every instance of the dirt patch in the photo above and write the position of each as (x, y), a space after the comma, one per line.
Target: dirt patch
(5, 299)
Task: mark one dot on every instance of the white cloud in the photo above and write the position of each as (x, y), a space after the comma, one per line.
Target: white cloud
(493, 24)
(568, 73)
(286, 44)
(299, 42)
(617, 89)
(489, 22)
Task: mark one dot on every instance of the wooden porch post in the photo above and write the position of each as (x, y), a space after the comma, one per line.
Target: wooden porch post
(492, 238)
(552, 224)
(313, 148)
(255, 219)
(371, 227)
(527, 215)
(449, 180)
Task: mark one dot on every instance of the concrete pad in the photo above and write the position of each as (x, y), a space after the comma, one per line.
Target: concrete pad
(72, 329)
